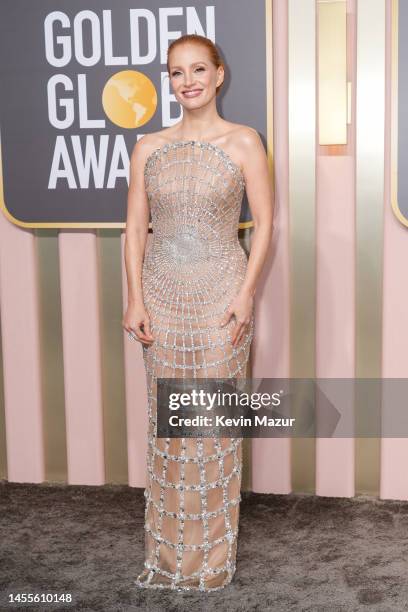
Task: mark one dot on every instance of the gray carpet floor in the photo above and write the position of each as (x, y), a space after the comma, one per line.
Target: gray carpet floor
(295, 552)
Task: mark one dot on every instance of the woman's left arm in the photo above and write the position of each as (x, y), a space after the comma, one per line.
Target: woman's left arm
(258, 185)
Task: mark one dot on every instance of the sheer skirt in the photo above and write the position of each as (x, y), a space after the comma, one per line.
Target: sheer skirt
(193, 484)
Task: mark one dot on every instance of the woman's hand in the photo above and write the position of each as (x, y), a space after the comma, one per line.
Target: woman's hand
(137, 322)
(241, 308)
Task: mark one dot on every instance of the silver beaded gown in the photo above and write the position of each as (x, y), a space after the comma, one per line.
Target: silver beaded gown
(192, 270)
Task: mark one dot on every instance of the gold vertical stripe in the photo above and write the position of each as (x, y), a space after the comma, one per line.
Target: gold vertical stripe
(245, 234)
(113, 383)
(269, 86)
(52, 368)
(370, 108)
(332, 56)
(302, 147)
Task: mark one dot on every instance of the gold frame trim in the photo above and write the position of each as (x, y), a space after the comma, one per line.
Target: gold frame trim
(269, 138)
(394, 113)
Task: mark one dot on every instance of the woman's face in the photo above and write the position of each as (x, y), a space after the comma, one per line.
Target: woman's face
(193, 76)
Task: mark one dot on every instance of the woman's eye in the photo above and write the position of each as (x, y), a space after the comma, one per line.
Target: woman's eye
(176, 72)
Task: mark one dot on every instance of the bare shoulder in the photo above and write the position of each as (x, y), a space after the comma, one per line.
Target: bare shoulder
(246, 138)
(149, 143)
(146, 145)
(246, 144)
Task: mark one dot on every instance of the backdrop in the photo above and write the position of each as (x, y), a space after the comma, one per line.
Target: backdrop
(330, 302)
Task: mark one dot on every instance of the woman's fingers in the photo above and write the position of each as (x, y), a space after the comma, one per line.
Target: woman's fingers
(140, 337)
(147, 330)
(141, 333)
(137, 333)
(239, 331)
(226, 317)
(240, 334)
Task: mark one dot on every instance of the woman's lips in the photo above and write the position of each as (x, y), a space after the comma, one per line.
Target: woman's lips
(192, 94)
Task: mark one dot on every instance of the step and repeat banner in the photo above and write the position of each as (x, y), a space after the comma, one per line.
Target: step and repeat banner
(81, 82)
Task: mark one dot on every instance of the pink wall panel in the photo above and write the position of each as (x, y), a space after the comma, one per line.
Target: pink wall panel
(21, 353)
(271, 467)
(335, 244)
(394, 451)
(82, 356)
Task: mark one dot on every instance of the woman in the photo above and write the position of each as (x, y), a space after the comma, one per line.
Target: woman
(190, 304)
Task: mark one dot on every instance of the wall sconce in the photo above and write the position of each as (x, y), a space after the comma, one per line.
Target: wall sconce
(334, 92)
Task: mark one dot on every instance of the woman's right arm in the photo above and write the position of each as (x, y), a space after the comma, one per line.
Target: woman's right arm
(136, 318)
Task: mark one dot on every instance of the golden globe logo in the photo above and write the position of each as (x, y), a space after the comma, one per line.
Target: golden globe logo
(129, 99)
(95, 76)
(88, 151)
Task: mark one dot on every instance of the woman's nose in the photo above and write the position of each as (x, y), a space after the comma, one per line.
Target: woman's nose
(188, 80)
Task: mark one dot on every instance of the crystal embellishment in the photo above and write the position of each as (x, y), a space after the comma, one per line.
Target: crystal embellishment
(192, 270)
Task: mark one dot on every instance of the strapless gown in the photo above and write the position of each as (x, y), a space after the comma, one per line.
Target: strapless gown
(192, 270)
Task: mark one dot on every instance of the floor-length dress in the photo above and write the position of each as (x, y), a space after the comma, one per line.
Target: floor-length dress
(194, 267)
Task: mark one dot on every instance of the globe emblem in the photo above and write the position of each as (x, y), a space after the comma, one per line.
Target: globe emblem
(129, 99)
